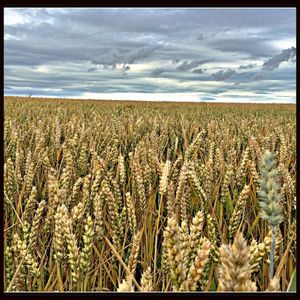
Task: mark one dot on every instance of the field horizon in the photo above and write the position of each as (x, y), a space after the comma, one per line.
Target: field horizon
(145, 101)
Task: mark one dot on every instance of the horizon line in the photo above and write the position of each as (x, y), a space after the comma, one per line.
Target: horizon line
(153, 101)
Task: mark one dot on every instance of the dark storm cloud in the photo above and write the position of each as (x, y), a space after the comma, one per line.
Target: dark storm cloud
(116, 56)
(250, 66)
(223, 74)
(275, 61)
(125, 68)
(186, 66)
(199, 71)
(261, 76)
(91, 69)
(256, 47)
(276, 76)
(35, 53)
(157, 71)
(200, 37)
(90, 50)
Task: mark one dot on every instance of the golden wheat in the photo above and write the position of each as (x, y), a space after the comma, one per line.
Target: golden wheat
(104, 195)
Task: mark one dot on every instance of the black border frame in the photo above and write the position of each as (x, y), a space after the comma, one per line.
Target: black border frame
(150, 4)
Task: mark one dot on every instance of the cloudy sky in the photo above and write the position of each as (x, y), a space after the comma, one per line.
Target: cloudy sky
(168, 54)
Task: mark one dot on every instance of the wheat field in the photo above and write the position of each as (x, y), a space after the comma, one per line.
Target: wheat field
(134, 196)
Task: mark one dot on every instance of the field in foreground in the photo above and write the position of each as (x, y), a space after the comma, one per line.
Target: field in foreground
(133, 196)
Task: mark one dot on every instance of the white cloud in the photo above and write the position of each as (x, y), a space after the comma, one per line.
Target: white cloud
(13, 16)
(284, 43)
